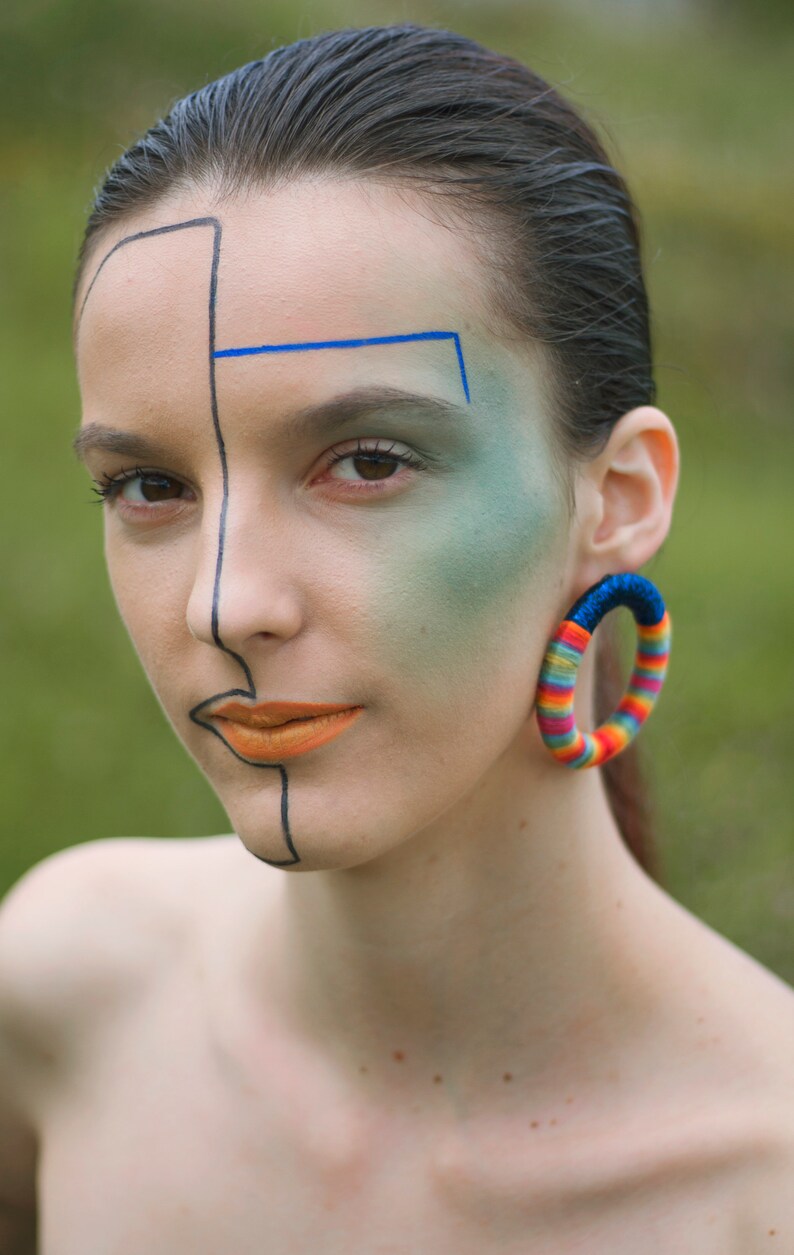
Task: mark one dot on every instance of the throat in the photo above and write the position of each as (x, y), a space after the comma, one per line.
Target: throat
(483, 955)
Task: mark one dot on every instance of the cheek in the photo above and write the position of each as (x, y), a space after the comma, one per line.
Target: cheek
(465, 590)
(151, 586)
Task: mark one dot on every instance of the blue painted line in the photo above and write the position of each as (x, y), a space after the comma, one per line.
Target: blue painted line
(306, 346)
(462, 365)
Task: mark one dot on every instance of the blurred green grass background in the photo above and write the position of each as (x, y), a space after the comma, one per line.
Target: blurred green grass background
(696, 105)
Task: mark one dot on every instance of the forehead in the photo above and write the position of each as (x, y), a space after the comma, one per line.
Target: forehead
(311, 263)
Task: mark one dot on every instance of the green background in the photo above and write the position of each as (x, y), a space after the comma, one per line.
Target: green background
(696, 105)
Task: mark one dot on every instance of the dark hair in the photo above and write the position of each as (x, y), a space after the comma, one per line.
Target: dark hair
(493, 145)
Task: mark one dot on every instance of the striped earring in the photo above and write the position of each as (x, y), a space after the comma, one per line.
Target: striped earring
(557, 681)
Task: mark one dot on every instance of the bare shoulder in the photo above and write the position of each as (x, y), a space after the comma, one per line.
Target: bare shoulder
(756, 1008)
(741, 1060)
(84, 925)
(742, 1018)
(762, 1007)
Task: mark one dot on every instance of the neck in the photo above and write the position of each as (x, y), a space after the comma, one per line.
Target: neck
(501, 942)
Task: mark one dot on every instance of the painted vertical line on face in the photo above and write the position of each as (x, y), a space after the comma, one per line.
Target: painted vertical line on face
(285, 828)
(216, 589)
(215, 224)
(250, 692)
(462, 365)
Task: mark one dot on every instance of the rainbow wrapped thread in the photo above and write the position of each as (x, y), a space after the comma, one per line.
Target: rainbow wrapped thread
(557, 682)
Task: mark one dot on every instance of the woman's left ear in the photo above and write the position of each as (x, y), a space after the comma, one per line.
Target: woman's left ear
(625, 496)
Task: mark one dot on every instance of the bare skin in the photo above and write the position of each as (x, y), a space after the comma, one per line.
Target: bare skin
(177, 1114)
(465, 1021)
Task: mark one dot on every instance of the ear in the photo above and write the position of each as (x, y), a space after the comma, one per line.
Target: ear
(624, 496)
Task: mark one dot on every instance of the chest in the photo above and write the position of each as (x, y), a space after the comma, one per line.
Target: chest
(171, 1141)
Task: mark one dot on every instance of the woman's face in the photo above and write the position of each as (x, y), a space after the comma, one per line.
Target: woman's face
(328, 483)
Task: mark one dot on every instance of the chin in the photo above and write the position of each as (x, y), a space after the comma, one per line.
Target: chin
(295, 819)
(298, 833)
(312, 852)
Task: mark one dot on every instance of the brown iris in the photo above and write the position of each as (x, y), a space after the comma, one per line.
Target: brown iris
(159, 488)
(371, 466)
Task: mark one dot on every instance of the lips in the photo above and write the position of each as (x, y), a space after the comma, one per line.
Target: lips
(270, 732)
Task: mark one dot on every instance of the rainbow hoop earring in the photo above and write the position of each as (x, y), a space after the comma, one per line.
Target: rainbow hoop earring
(554, 701)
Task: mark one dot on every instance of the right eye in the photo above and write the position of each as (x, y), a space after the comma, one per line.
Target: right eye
(150, 487)
(137, 489)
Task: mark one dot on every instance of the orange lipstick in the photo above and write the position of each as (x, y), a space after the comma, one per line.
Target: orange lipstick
(270, 732)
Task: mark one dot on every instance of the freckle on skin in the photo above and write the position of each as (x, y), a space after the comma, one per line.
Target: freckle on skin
(533, 1124)
(569, 1098)
(398, 1055)
(437, 1079)
(523, 824)
(553, 1121)
(508, 1076)
(618, 903)
(772, 1232)
(362, 1068)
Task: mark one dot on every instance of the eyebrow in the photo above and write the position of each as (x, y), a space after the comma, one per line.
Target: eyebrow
(95, 437)
(312, 420)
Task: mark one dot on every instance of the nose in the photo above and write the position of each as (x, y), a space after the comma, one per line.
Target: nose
(246, 588)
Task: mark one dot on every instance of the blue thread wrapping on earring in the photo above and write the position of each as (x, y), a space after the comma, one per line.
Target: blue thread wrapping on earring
(641, 597)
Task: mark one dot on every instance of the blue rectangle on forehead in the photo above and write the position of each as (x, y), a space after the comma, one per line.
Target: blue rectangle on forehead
(309, 345)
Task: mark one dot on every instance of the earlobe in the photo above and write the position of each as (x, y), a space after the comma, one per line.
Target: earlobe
(633, 480)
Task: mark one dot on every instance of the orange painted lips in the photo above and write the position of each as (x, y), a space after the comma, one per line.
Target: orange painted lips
(273, 731)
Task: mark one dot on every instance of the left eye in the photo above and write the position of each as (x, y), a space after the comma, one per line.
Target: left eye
(372, 463)
(366, 466)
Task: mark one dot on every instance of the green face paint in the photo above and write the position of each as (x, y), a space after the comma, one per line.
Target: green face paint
(458, 555)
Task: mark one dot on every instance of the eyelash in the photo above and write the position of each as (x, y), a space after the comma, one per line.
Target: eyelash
(109, 486)
(377, 454)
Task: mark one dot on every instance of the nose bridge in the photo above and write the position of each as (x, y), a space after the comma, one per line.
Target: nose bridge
(243, 586)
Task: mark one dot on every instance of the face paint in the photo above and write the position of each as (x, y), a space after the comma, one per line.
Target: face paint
(266, 734)
(421, 580)
(262, 734)
(464, 561)
(448, 578)
(370, 342)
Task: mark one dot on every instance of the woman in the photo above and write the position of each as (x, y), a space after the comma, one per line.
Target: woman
(362, 340)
